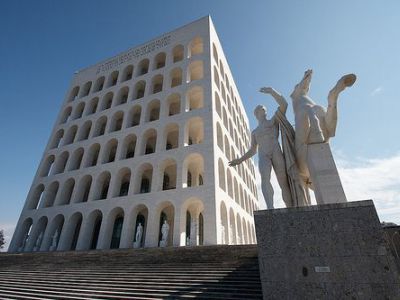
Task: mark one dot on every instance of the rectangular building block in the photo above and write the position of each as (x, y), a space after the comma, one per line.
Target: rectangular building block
(331, 251)
(324, 175)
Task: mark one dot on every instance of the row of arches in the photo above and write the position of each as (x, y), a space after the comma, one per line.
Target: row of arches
(234, 229)
(143, 67)
(172, 105)
(135, 227)
(168, 174)
(172, 135)
(230, 154)
(230, 185)
(225, 95)
(236, 132)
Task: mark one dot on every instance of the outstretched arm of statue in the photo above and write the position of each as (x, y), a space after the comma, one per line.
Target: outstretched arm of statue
(247, 155)
(277, 96)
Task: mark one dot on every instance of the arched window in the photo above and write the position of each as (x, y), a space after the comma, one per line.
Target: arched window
(140, 88)
(229, 183)
(79, 111)
(116, 233)
(159, 61)
(216, 77)
(195, 98)
(112, 79)
(60, 163)
(169, 174)
(215, 53)
(35, 197)
(92, 155)
(193, 170)
(157, 84)
(144, 180)
(220, 139)
(76, 159)
(177, 53)
(92, 107)
(171, 136)
(84, 131)
(98, 86)
(83, 190)
(143, 67)
(50, 195)
(57, 139)
(66, 192)
(150, 140)
(174, 104)
(153, 111)
(129, 146)
(86, 89)
(122, 96)
(176, 77)
(46, 166)
(107, 101)
(70, 136)
(195, 71)
(110, 151)
(194, 131)
(127, 73)
(134, 116)
(218, 105)
(73, 94)
(66, 114)
(122, 183)
(196, 46)
(100, 127)
(116, 121)
(221, 175)
(102, 186)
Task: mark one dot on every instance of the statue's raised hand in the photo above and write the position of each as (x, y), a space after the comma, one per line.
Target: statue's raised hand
(267, 90)
(234, 162)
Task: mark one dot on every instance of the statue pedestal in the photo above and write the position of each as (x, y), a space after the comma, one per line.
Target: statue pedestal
(328, 251)
(324, 175)
(136, 245)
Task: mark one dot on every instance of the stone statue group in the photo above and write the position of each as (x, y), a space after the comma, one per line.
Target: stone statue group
(314, 124)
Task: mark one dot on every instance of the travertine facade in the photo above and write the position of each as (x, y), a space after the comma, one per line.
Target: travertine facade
(145, 137)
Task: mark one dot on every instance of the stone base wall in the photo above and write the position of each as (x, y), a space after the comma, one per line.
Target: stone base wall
(331, 251)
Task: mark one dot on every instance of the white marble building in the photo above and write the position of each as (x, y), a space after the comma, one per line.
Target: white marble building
(145, 137)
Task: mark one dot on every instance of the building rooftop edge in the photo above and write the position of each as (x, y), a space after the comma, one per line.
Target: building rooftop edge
(208, 17)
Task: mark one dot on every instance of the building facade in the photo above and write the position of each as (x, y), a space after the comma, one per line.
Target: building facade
(139, 153)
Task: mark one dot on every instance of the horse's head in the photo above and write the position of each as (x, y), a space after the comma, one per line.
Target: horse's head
(302, 88)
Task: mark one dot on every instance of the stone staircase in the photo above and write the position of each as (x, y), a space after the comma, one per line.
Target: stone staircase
(203, 272)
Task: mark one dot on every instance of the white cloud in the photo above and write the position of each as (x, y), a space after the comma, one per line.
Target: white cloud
(376, 91)
(362, 179)
(8, 232)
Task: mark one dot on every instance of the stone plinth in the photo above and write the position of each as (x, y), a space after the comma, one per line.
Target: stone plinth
(324, 175)
(331, 251)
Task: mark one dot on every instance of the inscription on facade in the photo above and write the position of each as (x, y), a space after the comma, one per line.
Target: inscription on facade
(134, 53)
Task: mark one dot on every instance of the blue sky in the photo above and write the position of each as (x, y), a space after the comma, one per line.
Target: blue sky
(266, 43)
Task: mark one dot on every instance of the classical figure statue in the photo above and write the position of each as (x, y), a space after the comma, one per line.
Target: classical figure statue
(164, 234)
(313, 123)
(139, 233)
(38, 242)
(54, 241)
(265, 138)
(223, 240)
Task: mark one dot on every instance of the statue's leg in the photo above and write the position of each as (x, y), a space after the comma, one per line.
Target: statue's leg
(278, 163)
(264, 166)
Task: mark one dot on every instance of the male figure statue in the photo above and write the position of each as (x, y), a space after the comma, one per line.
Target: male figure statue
(164, 234)
(265, 138)
(139, 233)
